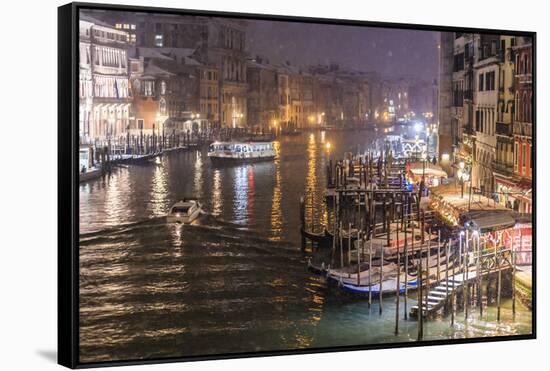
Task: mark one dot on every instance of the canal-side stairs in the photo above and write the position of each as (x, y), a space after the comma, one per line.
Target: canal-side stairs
(438, 296)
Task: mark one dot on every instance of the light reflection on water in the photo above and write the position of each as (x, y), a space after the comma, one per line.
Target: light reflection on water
(236, 280)
(276, 213)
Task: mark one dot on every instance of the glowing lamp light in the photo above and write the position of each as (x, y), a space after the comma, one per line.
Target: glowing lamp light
(327, 145)
(445, 157)
(418, 126)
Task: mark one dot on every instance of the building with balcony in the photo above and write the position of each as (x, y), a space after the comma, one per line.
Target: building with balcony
(523, 125)
(486, 74)
(462, 111)
(503, 164)
(104, 108)
(263, 94)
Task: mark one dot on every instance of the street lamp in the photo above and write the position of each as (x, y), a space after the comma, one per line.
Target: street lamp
(423, 174)
(463, 176)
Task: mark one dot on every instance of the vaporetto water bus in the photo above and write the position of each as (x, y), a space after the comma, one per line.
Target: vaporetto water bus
(229, 152)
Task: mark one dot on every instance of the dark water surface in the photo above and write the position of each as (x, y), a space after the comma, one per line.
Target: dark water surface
(236, 280)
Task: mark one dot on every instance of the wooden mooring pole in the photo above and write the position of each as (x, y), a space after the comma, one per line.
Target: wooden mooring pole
(397, 285)
(349, 243)
(359, 242)
(513, 258)
(447, 274)
(419, 282)
(453, 293)
(406, 269)
(499, 282)
(438, 253)
(341, 245)
(465, 283)
(370, 272)
(479, 279)
(380, 296)
(303, 222)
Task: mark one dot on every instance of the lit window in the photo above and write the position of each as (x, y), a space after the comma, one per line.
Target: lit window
(132, 26)
(118, 25)
(159, 41)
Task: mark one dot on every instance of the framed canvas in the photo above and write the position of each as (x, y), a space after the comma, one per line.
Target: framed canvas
(236, 185)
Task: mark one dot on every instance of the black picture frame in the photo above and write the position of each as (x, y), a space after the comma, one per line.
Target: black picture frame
(68, 182)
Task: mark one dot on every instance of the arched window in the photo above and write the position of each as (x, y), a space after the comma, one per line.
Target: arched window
(517, 107)
(530, 107)
(525, 103)
(162, 106)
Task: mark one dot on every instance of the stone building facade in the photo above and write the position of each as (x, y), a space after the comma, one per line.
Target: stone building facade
(491, 114)
(105, 103)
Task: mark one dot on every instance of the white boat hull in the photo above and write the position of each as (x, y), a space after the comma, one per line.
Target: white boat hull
(184, 219)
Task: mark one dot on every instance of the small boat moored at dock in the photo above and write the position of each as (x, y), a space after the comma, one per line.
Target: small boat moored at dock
(230, 152)
(184, 211)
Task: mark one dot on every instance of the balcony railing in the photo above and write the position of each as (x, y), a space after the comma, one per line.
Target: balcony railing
(504, 129)
(523, 128)
(506, 169)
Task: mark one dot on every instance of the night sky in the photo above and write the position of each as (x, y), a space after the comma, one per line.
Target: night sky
(391, 52)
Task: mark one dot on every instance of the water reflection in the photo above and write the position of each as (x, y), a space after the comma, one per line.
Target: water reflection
(315, 207)
(159, 190)
(276, 212)
(116, 189)
(149, 289)
(198, 180)
(217, 198)
(240, 189)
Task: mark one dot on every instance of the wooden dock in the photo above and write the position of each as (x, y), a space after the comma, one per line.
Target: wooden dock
(447, 288)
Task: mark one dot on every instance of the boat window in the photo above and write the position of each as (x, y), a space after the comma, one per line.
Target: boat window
(238, 148)
(245, 149)
(180, 209)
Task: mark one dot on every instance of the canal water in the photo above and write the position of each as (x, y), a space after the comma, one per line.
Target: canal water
(236, 280)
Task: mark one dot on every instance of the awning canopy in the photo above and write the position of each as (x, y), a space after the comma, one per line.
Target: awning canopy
(428, 169)
(492, 220)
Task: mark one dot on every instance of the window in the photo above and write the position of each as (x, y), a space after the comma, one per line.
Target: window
(530, 162)
(481, 82)
(148, 88)
(524, 157)
(159, 41)
(516, 155)
(490, 80)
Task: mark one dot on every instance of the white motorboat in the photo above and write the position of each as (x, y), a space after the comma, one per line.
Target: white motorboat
(184, 211)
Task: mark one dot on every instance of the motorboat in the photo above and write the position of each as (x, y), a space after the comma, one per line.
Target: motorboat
(184, 211)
